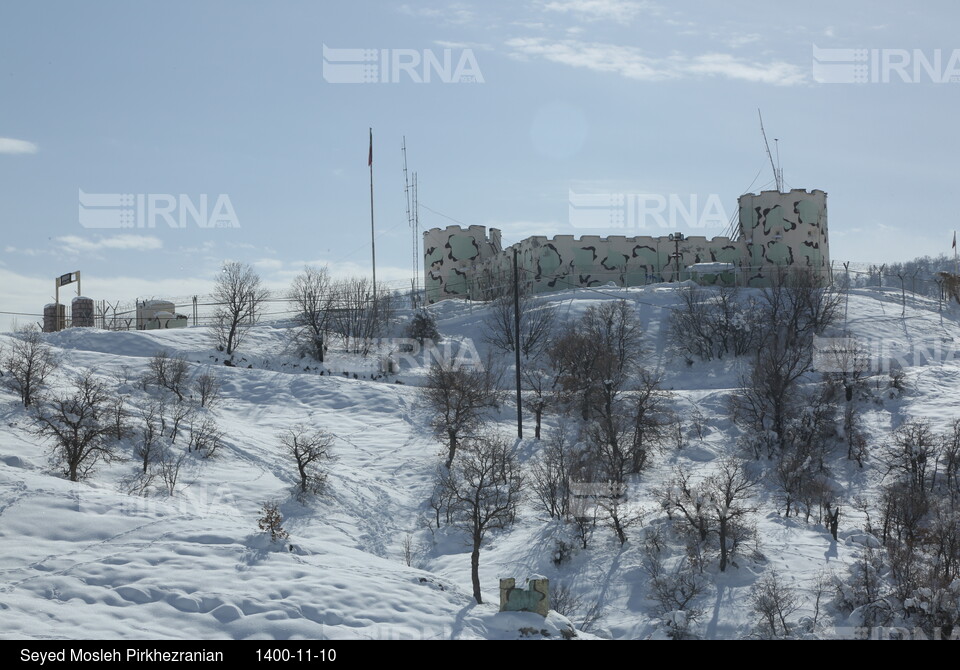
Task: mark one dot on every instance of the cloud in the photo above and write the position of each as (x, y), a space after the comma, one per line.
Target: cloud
(74, 243)
(631, 63)
(268, 264)
(21, 251)
(621, 11)
(456, 13)
(12, 146)
(737, 41)
(479, 46)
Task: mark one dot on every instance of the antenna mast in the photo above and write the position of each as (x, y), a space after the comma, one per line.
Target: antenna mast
(413, 220)
(777, 178)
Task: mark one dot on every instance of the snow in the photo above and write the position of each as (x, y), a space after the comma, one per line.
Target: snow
(88, 560)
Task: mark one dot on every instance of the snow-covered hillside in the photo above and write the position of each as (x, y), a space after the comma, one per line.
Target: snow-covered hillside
(89, 560)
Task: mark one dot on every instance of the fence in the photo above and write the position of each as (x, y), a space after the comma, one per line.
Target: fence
(201, 309)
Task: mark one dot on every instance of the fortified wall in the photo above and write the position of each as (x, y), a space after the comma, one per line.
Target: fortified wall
(776, 232)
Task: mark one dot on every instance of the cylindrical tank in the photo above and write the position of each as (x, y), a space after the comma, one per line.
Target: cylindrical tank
(81, 312)
(54, 317)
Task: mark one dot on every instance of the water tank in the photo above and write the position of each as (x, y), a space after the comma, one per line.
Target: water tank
(54, 317)
(81, 312)
(147, 313)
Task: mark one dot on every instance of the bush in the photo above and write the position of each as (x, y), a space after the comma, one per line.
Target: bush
(423, 327)
(271, 521)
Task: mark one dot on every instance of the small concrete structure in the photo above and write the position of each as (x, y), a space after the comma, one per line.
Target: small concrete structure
(81, 312)
(54, 317)
(158, 314)
(534, 598)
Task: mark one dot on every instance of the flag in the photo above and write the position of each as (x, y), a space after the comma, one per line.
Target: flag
(370, 157)
(954, 239)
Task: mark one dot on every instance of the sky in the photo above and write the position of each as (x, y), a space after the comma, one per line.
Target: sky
(233, 138)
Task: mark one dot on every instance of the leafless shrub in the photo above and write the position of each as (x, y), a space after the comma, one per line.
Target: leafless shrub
(457, 395)
(312, 295)
(239, 296)
(208, 388)
(168, 464)
(536, 325)
(361, 313)
(714, 324)
(29, 362)
(311, 451)
(78, 423)
(168, 372)
(550, 475)
(773, 602)
(205, 436)
(675, 589)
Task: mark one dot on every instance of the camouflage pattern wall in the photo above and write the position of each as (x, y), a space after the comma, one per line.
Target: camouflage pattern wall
(777, 231)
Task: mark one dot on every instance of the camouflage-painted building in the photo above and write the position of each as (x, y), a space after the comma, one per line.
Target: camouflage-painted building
(776, 232)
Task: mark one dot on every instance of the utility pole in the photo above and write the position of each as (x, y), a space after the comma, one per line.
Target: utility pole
(373, 241)
(846, 292)
(677, 238)
(516, 338)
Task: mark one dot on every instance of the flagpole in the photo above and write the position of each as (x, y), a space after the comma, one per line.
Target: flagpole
(373, 241)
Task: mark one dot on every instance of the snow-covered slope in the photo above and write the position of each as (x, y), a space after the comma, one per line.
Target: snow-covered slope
(88, 560)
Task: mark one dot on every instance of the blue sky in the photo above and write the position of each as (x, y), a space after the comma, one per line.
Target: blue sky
(599, 96)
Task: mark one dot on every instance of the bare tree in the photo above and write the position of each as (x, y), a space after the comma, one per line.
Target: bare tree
(715, 505)
(119, 414)
(205, 436)
(207, 386)
(619, 514)
(240, 297)
(457, 395)
(770, 395)
(79, 425)
(484, 486)
(536, 325)
(714, 323)
(951, 458)
(168, 372)
(310, 450)
(913, 455)
(817, 301)
(541, 387)
(727, 492)
(674, 589)
(551, 472)
(686, 497)
(29, 361)
(359, 317)
(151, 433)
(597, 358)
(311, 293)
(169, 462)
(773, 601)
(648, 416)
